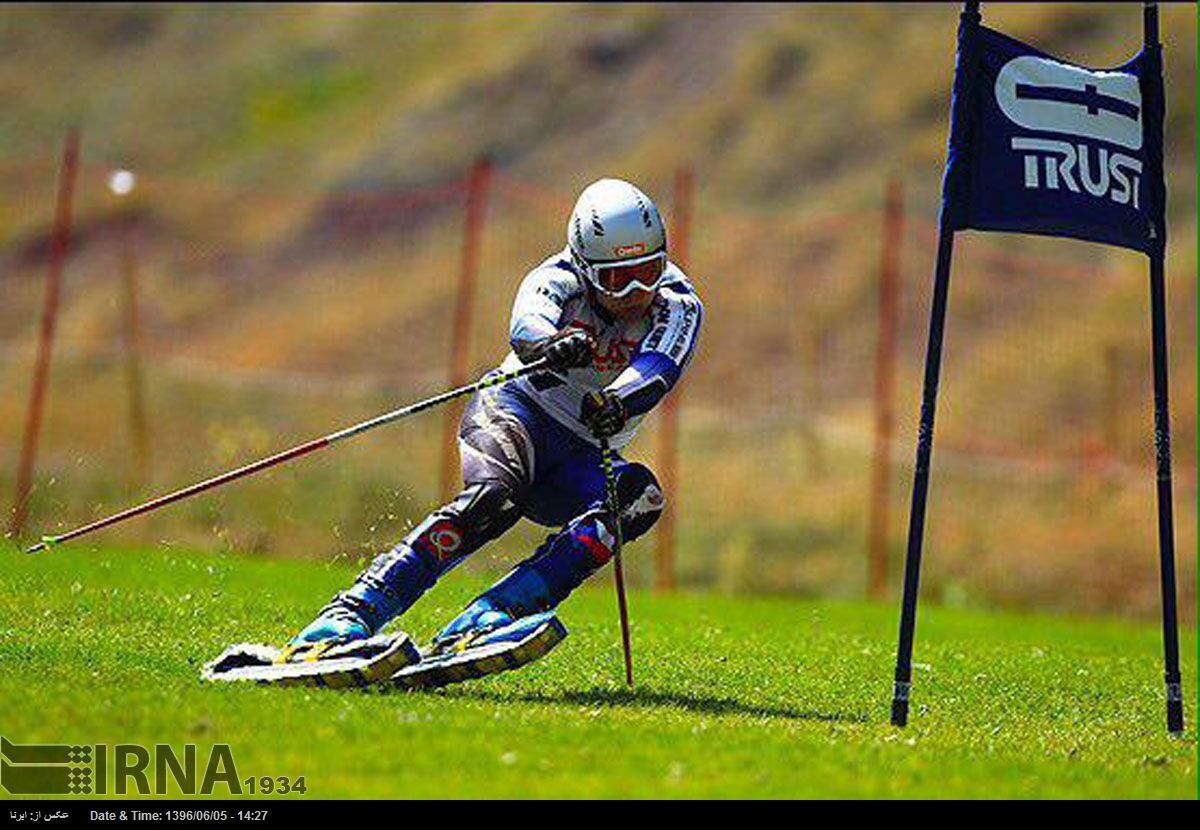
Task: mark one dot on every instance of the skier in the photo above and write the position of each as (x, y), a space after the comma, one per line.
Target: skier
(618, 324)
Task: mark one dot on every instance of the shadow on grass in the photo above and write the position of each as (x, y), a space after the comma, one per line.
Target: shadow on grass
(652, 699)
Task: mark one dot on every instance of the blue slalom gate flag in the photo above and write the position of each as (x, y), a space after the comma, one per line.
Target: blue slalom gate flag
(1042, 146)
(1039, 145)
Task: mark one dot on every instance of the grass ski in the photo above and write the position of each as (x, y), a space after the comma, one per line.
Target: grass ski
(360, 663)
(511, 647)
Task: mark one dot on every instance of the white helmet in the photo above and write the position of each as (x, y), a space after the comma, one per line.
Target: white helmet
(617, 238)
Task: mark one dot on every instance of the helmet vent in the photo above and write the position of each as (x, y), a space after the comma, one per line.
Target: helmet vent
(645, 213)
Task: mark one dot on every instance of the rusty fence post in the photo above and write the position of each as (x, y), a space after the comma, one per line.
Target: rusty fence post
(59, 246)
(885, 370)
(131, 330)
(668, 435)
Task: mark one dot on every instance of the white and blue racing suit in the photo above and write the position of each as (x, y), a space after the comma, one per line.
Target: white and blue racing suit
(525, 452)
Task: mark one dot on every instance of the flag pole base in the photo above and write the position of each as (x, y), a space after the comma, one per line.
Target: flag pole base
(900, 704)
(1175, 709)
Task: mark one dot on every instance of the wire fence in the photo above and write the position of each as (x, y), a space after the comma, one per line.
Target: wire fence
(269, 315)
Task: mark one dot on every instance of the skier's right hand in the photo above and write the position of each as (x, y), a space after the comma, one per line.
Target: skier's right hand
(569, 349)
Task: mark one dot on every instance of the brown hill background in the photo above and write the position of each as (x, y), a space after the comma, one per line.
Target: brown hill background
(297, 229)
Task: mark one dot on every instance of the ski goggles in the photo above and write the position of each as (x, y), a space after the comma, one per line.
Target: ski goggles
(616, 279)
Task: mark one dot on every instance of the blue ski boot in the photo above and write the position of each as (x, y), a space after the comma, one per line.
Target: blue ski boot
(341, 621)
(479, 618)
(397, 578)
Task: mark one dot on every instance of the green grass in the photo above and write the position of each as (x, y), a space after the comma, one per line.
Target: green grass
(735, 697)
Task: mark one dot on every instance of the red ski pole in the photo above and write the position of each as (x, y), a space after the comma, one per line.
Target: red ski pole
(288, 455)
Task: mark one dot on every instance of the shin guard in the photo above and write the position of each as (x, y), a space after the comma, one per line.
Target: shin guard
(396, 579)
(567, 558)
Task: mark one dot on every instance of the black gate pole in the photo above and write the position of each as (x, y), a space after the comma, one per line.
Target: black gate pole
(1166, 523)
(1162, 417)
(949, 220)
(916, 520)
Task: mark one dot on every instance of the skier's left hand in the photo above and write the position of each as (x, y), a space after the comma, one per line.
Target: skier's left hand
(603, 413)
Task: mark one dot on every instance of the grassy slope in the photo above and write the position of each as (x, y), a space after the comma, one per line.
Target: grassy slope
(735, 697)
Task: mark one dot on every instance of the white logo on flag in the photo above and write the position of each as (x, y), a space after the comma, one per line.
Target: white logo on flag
(1042, 94)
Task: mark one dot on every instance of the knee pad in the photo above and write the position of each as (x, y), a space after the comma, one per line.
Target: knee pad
(397, 578)
(641, 500)
(480, 513)
(574, 553)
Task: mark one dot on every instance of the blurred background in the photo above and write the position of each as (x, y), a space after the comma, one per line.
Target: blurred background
(327, 210)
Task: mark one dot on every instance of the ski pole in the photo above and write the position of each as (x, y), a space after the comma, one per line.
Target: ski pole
(485, 382)
(614, 508)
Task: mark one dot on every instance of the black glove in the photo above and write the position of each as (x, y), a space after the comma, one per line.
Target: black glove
(603, 413)
(569, 349)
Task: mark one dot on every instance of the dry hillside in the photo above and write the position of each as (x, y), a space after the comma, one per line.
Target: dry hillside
(298, 221)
